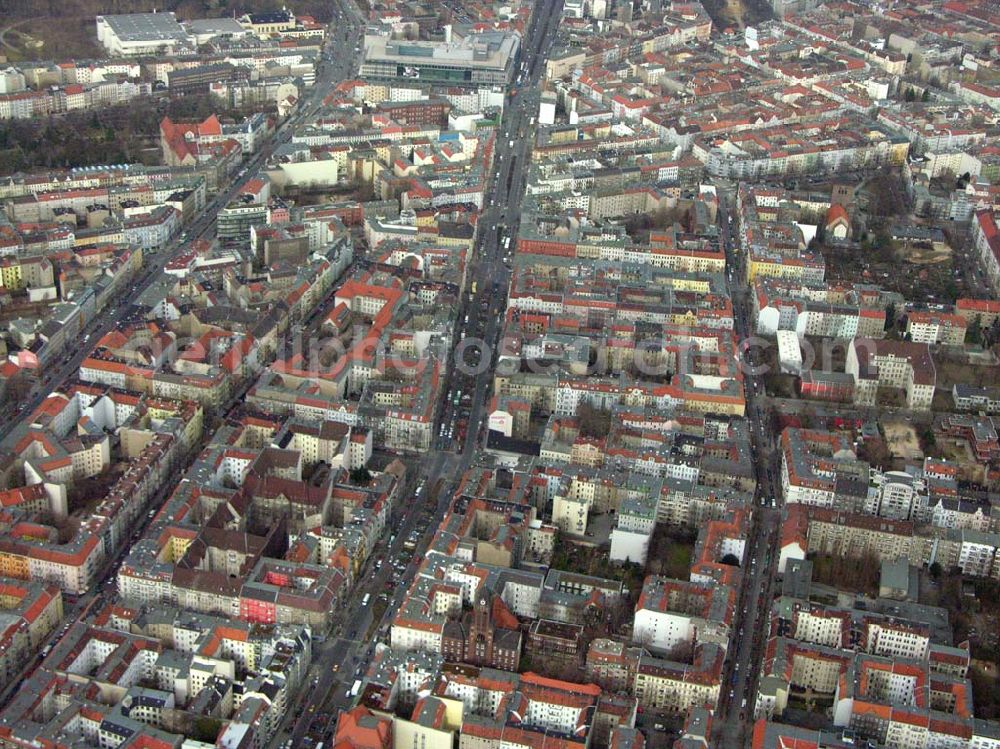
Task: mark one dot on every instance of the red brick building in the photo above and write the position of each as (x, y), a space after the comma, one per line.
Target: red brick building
(489, 635)
(827, 386)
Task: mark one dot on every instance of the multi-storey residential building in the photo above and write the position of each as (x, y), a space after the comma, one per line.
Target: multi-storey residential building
(896, 495)
(612, 665)
(784, 149)
(986, 311)
(669, 686)
(776, 248)
(811, 464)
(31, 612)
(935, 327)
(899, 364)
(986, 240)
(675, 613)
(843, 533)
(970, 398)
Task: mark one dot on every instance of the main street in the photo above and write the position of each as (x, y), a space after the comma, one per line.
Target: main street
(339, 661)
(500, 218)
(747, 638)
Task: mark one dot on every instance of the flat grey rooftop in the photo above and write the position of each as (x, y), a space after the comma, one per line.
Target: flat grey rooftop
(489, 50)
(140, 27)
(215, 26)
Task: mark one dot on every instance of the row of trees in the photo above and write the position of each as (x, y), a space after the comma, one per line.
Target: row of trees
(911, 94)
(595, 423)
(980, 335)
(860, 573)
(321, 10)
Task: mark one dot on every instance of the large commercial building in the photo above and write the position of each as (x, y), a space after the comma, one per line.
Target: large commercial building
(480, 59)
(140, 33)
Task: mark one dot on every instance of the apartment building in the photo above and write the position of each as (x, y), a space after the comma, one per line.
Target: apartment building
(933, 327)
(843, 533)
(987, 311)
(31, 612)
(812, 462)
(986, 241)
(675, 613)
(972, 398)
(906, 365)
(668, 686)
